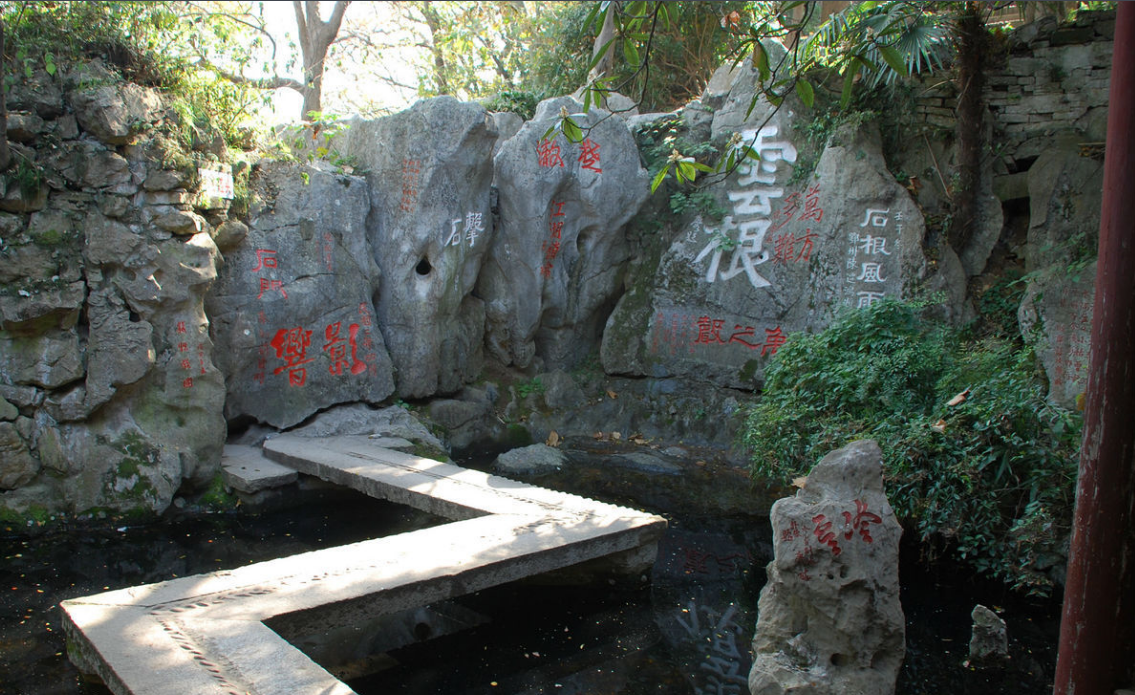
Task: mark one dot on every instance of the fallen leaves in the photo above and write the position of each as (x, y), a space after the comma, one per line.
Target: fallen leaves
(958, 399)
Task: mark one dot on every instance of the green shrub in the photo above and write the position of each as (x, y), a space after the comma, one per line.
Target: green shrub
(991, 477)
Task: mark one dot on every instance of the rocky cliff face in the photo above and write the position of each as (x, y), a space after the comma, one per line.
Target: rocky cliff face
(110, 396)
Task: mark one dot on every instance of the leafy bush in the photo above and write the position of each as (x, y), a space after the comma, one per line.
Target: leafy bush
(992, 477)
(149, 43)
(521, 103)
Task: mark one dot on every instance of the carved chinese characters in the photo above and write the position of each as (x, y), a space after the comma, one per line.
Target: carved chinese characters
(292, 306)
(554, 269)
(746, 228)
(829, 617)
(785, 258)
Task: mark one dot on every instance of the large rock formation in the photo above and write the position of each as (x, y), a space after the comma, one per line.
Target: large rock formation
(295, 325)
(830, 622)
(784, 257)
(105, 352)
(430, 227)
(554, 273)
(1065, 192)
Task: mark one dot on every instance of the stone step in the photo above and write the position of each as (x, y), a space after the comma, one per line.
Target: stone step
(206, 634)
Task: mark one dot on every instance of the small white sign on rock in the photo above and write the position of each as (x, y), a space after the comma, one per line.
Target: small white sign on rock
(216, 184)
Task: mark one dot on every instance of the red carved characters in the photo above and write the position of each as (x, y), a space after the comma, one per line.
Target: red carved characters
(337, 351)
(827, 534)
(291, 346)
(860, 522)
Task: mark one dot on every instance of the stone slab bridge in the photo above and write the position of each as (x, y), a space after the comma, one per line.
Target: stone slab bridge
(206, 634)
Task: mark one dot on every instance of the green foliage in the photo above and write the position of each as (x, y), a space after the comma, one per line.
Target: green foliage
(148, 43)
(529, 388)
(520, 102)
(664, 143)
(991, 476)
(662, 55)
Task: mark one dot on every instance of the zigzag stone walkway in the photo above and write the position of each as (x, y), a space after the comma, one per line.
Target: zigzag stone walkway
(206, 634)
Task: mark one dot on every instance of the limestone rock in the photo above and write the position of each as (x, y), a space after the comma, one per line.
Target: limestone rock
(530, 460)
(8, 411)
(830, 621)
(39, 95)
(120, 350)
(464, 421)
(430, 229)
(116, 466)
(230, 234)
(47, 360)
(989, 639)
(115, 113)
(17, 465)
(1065, 196)
(557, 264)
(1055, 316)
(13, 198)
(24, 127)
(180, 222)
(291, 309)
(725, 295)
(54, 306)
(357, 419)
(561, 391)
(91, 165)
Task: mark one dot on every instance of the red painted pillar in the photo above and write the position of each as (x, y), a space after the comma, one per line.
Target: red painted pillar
(1097, 633)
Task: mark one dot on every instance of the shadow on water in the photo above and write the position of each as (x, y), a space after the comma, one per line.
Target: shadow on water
(686, 631)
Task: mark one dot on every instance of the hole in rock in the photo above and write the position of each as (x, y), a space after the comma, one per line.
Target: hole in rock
(423, 267)
(134, 317)
(840, 660)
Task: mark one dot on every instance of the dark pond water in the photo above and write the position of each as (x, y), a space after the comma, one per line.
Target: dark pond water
(685, 631)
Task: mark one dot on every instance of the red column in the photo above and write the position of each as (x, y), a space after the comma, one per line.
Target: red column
(1097, 633)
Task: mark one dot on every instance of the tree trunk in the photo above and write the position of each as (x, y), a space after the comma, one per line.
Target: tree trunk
(441, 68)
(972, 48)
(607, 62)
(316, 37)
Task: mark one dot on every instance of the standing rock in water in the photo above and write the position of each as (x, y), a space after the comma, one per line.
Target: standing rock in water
(989, 640)
(830, 622)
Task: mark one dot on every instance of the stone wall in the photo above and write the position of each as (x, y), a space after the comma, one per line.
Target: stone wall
(109, 397)
(1049, 79)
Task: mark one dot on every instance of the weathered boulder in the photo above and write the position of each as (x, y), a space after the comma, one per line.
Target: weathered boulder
(291, 310)
(1055, 316)
(829, 620)
(557, 264)
(989, 638)
(114, 113)
(725, 295)
(113, 465)
(120, 348)
(87, 164)
(530, 460)
(47, 360)
(39, 94)
(430, 172)
(1065, 196)
(356, 419)
(17, 465)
